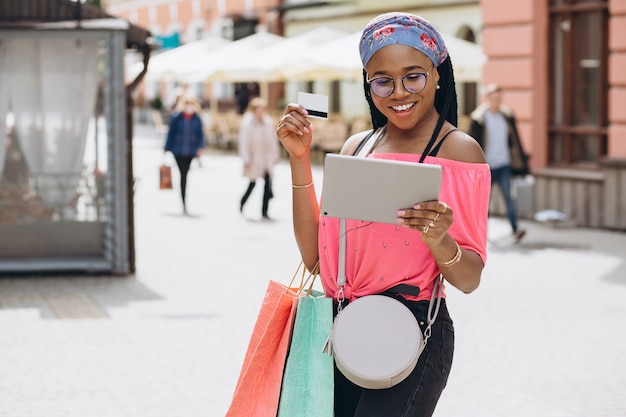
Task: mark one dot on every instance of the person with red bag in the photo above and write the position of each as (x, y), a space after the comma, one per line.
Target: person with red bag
(185, 139)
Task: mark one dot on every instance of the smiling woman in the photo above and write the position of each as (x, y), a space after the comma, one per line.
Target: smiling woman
(409, 85)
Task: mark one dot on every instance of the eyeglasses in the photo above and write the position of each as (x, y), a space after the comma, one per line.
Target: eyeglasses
(413, 82)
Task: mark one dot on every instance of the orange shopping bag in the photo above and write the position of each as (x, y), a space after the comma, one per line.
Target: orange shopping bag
(258, 388)
(165, 177)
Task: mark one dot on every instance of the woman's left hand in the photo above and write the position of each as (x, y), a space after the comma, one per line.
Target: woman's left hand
(432, 218)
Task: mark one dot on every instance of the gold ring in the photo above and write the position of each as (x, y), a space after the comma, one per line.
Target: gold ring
(431, 224)
(426, 229)
(436, 217)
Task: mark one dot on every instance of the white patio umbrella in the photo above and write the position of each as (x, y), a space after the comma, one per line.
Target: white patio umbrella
(467, 59)
(210, 67)
(340, 60)
(267, 64)
(334, 60)
(162, 66)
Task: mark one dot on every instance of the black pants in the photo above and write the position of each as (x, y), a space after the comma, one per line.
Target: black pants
(417, 395)
(183, 162)
(267, 193)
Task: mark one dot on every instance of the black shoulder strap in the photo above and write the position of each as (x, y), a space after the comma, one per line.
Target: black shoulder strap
(438, 146)
(433, 152)
(363, 142)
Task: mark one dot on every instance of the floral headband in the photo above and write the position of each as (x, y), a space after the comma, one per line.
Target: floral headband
(402, 29)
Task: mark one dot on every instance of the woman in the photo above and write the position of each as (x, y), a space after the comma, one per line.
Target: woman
(409, 85)
(185, 139)
(259, 150)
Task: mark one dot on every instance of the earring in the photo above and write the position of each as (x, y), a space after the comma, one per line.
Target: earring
(438, 86)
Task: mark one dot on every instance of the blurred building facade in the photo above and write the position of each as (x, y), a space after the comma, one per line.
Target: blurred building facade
(190, 20)
(177, 22)
(560, 63)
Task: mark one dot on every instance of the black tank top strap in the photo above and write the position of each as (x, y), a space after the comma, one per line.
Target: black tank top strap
(363, 142)
(438, 146)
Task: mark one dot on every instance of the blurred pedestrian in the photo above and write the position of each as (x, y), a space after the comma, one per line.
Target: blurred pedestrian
(258, 147)
(493, 126)
(185, 139)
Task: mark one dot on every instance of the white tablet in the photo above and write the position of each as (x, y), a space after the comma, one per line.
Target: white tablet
(374, 189)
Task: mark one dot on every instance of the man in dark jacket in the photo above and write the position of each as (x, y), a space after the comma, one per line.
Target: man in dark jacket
(493, 126)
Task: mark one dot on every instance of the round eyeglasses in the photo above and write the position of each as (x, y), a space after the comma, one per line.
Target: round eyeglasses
(413, 82)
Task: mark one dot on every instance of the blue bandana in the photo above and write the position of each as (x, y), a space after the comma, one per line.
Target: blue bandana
(402, 29)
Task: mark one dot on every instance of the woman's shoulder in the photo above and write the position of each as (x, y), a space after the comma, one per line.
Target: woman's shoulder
(460, 146)
(352, 143)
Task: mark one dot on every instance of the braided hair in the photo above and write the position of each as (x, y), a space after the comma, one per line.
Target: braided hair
(446, 102)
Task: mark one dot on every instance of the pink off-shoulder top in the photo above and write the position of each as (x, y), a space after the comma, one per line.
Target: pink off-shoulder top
(380, 256)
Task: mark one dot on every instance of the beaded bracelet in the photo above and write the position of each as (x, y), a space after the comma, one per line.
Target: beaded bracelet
(455, 259)
(297, 187)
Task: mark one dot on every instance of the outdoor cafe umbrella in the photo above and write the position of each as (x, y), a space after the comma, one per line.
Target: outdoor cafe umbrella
(340, 60)
(163, 66)
(209, 67)
(267, 64)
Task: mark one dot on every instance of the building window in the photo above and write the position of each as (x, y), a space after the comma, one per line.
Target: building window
(578, 82)
(243, 27)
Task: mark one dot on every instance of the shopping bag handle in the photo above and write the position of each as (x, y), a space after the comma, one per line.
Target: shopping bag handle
(304, 278)
(312, 276)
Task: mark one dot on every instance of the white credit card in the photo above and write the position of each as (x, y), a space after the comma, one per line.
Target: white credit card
(315, 104)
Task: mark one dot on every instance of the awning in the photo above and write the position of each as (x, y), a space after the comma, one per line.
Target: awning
(166, 65)
(268, 64)
(340, 60)
(320, 54)
(210, 67)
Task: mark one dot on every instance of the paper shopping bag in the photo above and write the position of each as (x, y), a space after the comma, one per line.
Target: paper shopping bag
(308, 381)
(165, 177)
(258, 387)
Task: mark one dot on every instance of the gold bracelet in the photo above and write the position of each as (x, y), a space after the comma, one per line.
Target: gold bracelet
(455, 259)
(297, 187)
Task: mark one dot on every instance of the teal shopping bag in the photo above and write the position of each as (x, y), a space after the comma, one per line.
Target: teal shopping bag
(308, 381)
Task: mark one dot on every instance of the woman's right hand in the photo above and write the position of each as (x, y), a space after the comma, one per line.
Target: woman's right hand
(295, 131)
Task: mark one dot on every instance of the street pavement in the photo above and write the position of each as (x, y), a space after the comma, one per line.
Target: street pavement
(543, 336)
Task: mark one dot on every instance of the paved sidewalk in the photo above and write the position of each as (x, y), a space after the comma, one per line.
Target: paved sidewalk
(542, 336)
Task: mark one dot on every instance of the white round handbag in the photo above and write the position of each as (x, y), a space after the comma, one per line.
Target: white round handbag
(376, 341)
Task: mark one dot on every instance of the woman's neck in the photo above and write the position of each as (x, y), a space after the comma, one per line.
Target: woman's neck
(414, 140)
